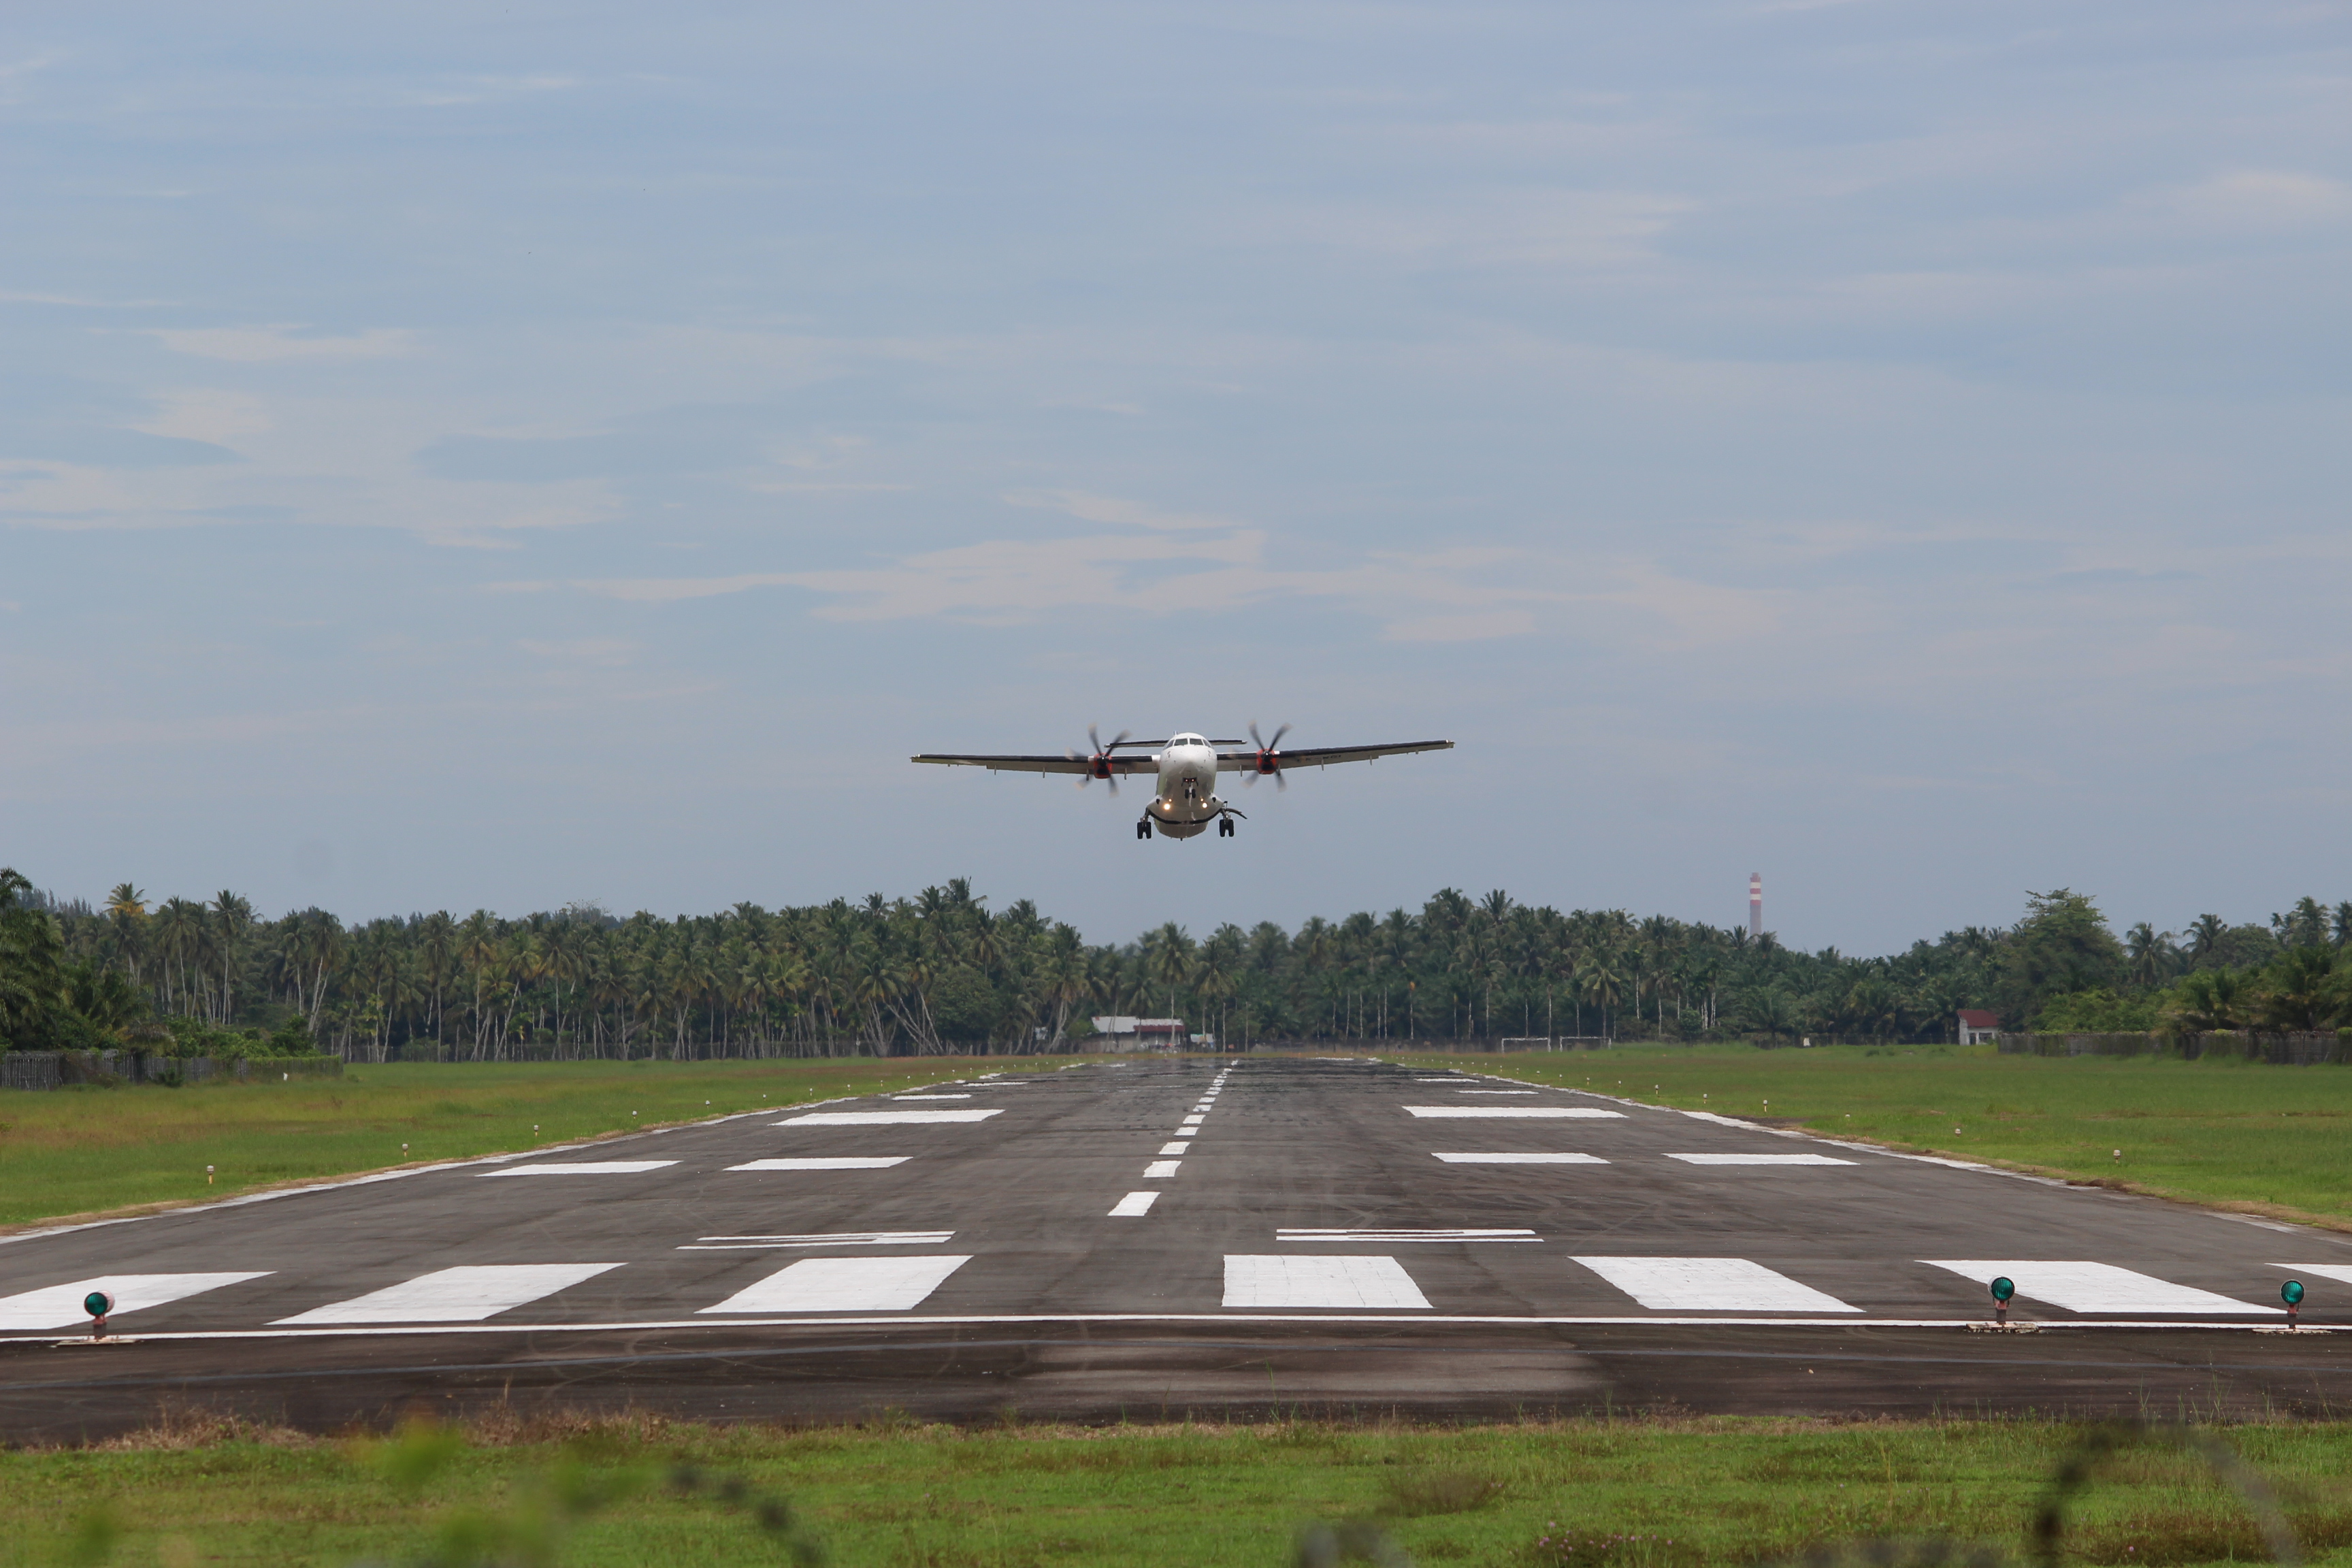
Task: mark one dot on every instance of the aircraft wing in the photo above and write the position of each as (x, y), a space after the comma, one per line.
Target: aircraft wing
(1015, 764)
(1324, 756)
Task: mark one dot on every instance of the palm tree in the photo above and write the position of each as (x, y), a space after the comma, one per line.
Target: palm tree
(2150, 953)
(126, 908)
(2205, 935)
(232, 918)
(179, 934)
(2207, 999)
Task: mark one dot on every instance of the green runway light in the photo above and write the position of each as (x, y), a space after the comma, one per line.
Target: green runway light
(98, 1303)
(2004, 1288)
(2292, 1293)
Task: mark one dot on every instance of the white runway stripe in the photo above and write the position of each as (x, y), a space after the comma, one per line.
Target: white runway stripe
(1175, 1148)
(820, 1238)
(1158, 1169)
(846, 1285)
(583, 1168)
(462, 1294)
(1581, 1112)
(1498, 1091)
(1194, 1120)
(2325, 1270)
(884, 1118)
(930, 1097)
(1272, 1279)
(1711, 1284)
(1522, 1159)
(1133, 1205)
(2099, 1288)
(59, 1306)
(826, 1163)
(1376, 1233)
(1758, 1160)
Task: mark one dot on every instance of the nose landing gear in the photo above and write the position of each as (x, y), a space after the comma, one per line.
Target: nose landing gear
(1224, 828)
(1143, 828)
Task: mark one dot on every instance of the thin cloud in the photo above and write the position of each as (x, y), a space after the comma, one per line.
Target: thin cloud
(1457, 596)
(278, 343)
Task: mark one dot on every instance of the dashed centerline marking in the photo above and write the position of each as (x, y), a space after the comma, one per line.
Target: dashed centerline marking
(1134, 1205)
(1160, 1168)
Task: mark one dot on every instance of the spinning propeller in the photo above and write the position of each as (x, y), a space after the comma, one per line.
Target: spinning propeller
(1099, 760)
(1269, 757)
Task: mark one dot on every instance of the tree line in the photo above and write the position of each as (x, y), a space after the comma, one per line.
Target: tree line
(941, 972)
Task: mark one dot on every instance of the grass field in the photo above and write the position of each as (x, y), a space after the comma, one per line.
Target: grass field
(1635, 1493)
(2247, 1136)
(86, 1149)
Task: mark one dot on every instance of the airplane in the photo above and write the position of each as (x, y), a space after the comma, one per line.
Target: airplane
(1185, 801)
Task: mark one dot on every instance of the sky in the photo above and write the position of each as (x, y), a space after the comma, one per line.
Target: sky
(458, 457)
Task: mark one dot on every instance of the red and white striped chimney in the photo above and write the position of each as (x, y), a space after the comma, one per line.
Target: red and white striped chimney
(1755, 903)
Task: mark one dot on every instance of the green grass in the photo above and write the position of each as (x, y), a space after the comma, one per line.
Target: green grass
(2235, 1134)
(1687, 1493)
(88, 1150)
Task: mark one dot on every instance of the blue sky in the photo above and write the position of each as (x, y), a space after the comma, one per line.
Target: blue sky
(449, 460)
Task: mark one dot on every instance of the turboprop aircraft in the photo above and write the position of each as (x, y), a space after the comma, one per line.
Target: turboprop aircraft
(1184, 800)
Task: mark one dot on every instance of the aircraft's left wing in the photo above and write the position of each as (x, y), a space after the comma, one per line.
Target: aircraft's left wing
(1324, 756)
(1121, 765)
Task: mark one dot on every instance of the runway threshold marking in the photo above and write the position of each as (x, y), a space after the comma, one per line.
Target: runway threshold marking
(826, 1163)
(2325, 1270)
(1376, 1233)
(1549, 1112)
(886, 1117)
(1279, 1281)
(582, 1168)
(467, 1294)
(846, 1285)
(59, 1306)
(1718, 1284)
(820, 1238)
(1133, 1206)
(1522, 1159)
(1760, 1160)
(2100, 1288)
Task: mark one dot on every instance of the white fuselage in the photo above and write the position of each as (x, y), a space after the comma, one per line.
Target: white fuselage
(1186, 801)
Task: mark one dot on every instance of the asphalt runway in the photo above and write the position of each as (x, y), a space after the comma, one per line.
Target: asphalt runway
(1224, 1239)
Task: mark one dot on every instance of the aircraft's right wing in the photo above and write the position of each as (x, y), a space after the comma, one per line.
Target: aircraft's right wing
(1018, 765)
